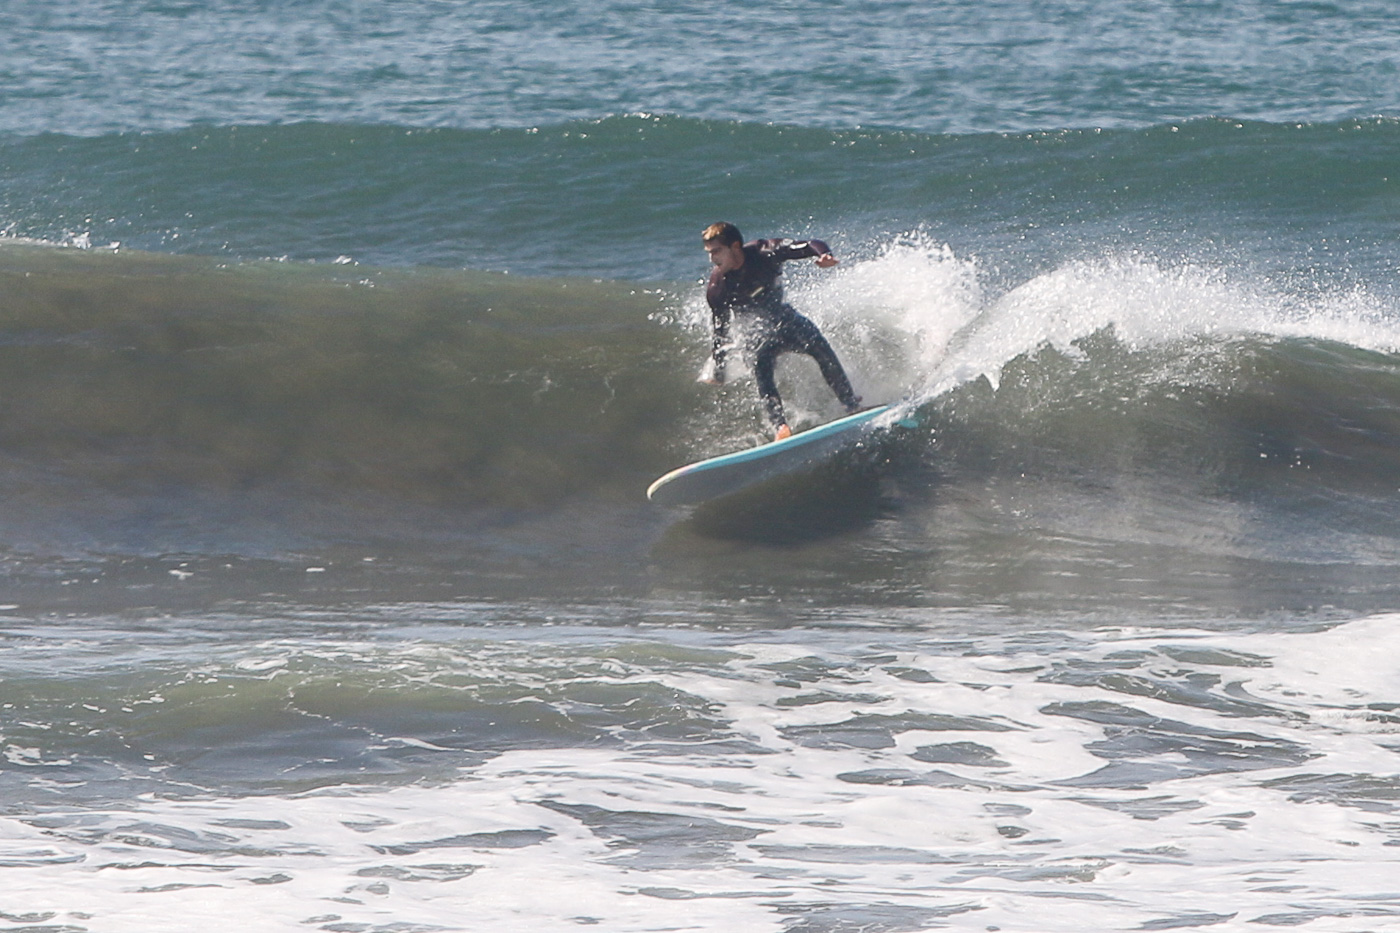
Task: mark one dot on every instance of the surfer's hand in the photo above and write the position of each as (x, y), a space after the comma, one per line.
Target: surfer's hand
(711, 374)
(826, 260)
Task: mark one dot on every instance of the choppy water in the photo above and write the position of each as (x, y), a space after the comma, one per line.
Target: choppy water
(339, 340)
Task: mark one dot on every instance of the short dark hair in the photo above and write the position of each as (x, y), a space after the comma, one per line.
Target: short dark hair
(725, 232)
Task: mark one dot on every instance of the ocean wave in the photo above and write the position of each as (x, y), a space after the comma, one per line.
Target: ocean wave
(154, 395)
(623, 197)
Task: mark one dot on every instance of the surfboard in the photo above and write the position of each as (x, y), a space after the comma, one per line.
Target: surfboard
(720, 476)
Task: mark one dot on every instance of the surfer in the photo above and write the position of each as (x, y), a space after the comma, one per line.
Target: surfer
(745, 280)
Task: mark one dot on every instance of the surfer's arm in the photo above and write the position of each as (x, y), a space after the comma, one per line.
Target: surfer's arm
(718, 297)
(785, 250)
(714, 374)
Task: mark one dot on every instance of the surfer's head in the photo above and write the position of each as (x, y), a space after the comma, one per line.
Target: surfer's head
(724, 232)
(725, 245)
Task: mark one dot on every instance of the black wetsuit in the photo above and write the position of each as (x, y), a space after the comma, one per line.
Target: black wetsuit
(754, 288)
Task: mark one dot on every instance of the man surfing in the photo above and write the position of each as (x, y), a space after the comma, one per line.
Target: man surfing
(745, 280)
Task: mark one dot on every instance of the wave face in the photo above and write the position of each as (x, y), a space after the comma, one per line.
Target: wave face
(287, 413)
(153, 383)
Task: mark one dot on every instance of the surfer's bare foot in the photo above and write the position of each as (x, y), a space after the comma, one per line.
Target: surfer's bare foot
(783, 433)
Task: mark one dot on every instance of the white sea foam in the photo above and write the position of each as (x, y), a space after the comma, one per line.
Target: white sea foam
(1260, 777)
(915, 320)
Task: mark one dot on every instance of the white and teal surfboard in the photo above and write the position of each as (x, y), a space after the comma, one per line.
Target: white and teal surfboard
(720, 476)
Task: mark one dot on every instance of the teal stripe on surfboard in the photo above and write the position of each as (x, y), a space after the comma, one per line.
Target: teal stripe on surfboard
(729, 473)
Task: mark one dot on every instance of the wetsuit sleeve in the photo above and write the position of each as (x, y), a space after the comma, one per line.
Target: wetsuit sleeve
(785, 250)
(720, 314)
(721, 341)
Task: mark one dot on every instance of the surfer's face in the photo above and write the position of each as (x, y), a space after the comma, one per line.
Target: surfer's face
(726, 256)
